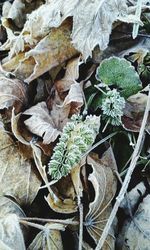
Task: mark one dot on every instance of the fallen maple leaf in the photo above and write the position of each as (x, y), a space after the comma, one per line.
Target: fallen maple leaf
(41, 123)
(104, 183)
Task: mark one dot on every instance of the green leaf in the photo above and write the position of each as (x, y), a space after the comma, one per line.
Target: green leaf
(119, 72)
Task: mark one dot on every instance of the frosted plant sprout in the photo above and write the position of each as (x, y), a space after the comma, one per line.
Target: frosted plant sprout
(77, 137)
(112, 107)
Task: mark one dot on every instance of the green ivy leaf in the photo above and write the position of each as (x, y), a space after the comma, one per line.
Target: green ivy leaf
(119, 72)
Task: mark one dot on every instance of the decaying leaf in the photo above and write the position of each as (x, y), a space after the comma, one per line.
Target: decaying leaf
(136, 231)
(12, 93)
(41, 123)
(104, 183)
(134, 111)
(85, 35)
(70, 77)
(11, 236)
(17, 177)
(130, 201)
(62, 109)
(44, 56)
(48, 239)
(62, 198)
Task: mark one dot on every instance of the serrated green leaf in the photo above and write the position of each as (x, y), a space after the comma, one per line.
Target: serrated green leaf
(119, 72)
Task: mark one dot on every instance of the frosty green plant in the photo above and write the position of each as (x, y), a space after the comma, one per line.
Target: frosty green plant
(112, 107)
(77, 137)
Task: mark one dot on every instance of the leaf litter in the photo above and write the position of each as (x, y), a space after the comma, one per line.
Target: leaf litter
(74, 79)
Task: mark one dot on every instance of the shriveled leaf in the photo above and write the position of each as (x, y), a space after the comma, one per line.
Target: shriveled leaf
(12, 93)
(104, 184)
(44, 56)
(62, 109)
(62, 198)
(85, 35)
(48, 239)
(130, 201)
(71, 75)
(119, 72)
(134, 111)
(74, 96)
(17, 177)
(17, 13)
(8, 206)
(10, 233)
(41, 123)
(136, 232)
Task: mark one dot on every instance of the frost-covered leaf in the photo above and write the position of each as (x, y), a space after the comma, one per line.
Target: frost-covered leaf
(62, 198)
(12, 93)
(135, 233)
(70, 77)
(104, 184)
(17, 13)
(41, 123)
(85, 34)
(44, 56)
(131, 200)
(48, 239)
(11, 234)
(121, 74)
(17, 176)
(134, 111)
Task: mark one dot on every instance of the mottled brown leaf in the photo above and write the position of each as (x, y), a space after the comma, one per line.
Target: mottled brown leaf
(135, 233)
(17, 177)
(104, 184)
(12, 93)
(48, 239)
(41, 123)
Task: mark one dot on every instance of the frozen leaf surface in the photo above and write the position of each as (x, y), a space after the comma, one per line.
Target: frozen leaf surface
(12, 93)
(17, 178)
(135, 233)
(92, 21)
(48, 239)
(104, 184)
(41, 123)
(119, 72)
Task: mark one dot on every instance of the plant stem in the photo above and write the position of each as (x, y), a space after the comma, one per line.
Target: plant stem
(64, 222)
(127, 179)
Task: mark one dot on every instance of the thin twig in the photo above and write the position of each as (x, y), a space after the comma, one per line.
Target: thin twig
(64, 222)
(81, 226)
(31, 224)
(124, 187)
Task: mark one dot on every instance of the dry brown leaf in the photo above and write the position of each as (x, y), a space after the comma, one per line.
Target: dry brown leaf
(85, 34)
(130, 202)
(10, 233)
(136, 232)
(11, 236)
(105, 184)
(48, 239)
(72, 103)
(70, 77)
(134, 111)
(62, 198)
(17, 13)
(41, 123)
(44, 56)
(18, 178)
(12, 93)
